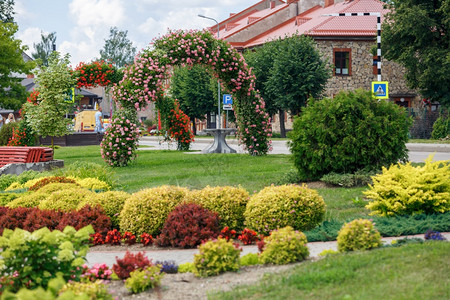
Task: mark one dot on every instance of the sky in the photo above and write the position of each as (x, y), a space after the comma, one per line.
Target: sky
(82, 26)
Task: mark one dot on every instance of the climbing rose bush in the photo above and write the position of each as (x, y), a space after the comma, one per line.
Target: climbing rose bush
(144, 81)
(119, 143)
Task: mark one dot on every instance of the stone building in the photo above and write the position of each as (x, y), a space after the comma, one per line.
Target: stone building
(347, 42)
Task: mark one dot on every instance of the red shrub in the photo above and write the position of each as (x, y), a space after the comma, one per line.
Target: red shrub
(113, 237)
(146, 239)
(129, 263)
(188, 225)
(248, 236)
(227, 233)
(85, 216)
(47, 180)
(14, 218)
(261, 245)
(97, 239)
(129, 238)
(42, 218)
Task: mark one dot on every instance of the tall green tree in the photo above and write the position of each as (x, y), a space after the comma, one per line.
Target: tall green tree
(118, 48)
(44, 48)
(195, 90)
(7, 11)
(47, 117)
(416, 35)
(12, 93)
(288, 72)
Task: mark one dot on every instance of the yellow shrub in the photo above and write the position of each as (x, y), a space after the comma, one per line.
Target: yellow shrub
(57, 186)
(31, 182)
(147, 210)
(407, 190)
(227, 201)
(358, 235)
(93, 184)
(66, 200)
(287, 205)
(28, 200)
(14, 186)
(112, 203)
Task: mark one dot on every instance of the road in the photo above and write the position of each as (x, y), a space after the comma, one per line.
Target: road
(417, 152)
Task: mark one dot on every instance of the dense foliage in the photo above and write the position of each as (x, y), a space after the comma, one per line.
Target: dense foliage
(118, 49)
(441, 127)
(359, 234)
(348, 133)
(129, 263)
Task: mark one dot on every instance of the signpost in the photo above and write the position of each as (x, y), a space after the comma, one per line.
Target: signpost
(380, 89)
(227, 105)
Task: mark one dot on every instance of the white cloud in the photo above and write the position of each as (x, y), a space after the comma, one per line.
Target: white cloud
(97, 12)
(30, 36)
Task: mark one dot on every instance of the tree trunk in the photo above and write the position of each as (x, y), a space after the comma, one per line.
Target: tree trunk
(282, 128)
(208, 120)
(53, 146)
(194, 127)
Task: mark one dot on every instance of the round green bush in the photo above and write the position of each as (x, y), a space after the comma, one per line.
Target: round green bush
(286, 205)
(351, 132)
(147, 210)
(66, 200)
(284, 246)
(441, 127)
(227, 201)
(216, 257)
(28, 200)
(359, 234)
(112, 203)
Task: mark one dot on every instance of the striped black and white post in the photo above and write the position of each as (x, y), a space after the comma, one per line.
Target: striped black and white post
(378, 15)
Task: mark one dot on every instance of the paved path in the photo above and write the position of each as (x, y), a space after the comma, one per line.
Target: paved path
(187, 255)
(417, 152)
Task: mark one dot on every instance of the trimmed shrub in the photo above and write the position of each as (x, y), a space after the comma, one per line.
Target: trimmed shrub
(129, 263)
(147, 210)
(407, 190)
(6, 198)
(284, 246)
(94, 216)
(287, 205)
(187, 226)
(359, 234)
(216, 257)
(441, 127)
(351, 132)
(66, 200)
(55, 187)
(53, 179)
(38, 218)
(249, 259)
(93, 184)
(142, 280)
(28, 200)
(229, 202)
(92, 290)
(112, 202)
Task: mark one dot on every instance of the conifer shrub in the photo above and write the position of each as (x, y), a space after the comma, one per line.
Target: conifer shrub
(351, 132)
(188, 225)
(229, 202)
(406, 190)
(286, 205)
(359, 234)
(112, 203)
(46, 180)
(147, 210)
(66, 200)
(130, 262)
(441, 127)
(284, 246)
(215, 257)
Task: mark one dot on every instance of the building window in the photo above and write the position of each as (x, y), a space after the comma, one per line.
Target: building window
(342, 62)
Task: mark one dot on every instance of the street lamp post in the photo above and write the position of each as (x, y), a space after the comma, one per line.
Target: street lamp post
(218, 82)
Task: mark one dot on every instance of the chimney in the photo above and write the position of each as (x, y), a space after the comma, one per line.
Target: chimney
(293, 8)
(328, 3)
(272, 4)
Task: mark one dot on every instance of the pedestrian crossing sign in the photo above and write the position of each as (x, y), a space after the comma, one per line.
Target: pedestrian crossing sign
(380, 89)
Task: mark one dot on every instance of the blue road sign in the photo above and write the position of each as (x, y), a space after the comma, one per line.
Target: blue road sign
(380, 89)
(227, 99)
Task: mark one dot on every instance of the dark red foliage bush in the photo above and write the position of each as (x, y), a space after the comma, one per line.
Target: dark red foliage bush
(47, 180)
(14, 218)
(129, 263)
(85, 216)
(187, 226)
(146, 239)
(261, 245)
(129, 238)
(113, 237)
(38, 218)
(227, 233)
(248, 236)
(97, 239)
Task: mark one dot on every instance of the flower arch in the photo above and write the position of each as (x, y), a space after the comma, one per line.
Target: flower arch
(144, 81)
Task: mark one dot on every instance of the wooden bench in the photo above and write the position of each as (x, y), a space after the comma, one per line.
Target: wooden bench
(11, 155)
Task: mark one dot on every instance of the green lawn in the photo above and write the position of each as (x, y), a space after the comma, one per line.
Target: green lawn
(414, 271)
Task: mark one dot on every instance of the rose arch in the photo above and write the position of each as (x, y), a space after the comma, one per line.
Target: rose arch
(144, 82)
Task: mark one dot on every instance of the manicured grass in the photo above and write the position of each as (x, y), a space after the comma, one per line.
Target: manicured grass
(414, 271)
